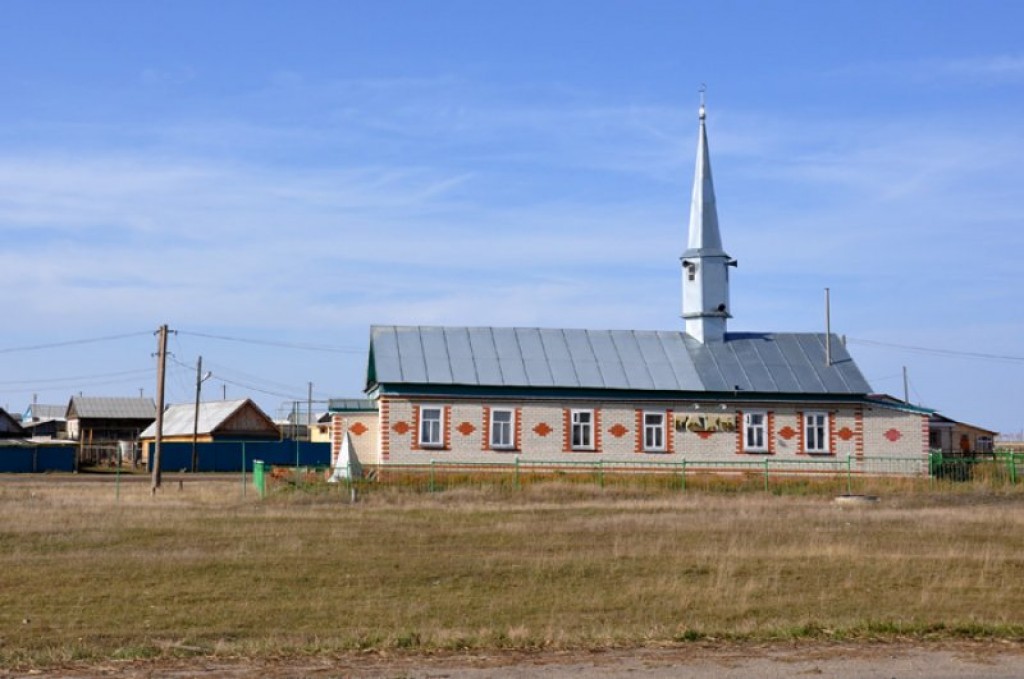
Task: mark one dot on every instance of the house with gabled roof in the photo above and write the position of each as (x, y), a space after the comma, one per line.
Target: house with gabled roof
(235, 420)
(9, 426)
(103, 425)
(699, 393)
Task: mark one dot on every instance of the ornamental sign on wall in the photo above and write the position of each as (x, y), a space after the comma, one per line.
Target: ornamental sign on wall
(704, 423)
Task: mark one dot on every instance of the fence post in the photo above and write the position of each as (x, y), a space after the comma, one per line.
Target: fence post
(600, 473)
(849, 474)
(766, 474)
(430, 486)
(243, 468)
(258, 477)
(1013, 468)
(515, 474)
(682, 476)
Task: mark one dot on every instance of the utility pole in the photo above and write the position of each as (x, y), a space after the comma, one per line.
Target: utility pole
(309, 413)
(906, 386)
(161, 369)
(200, 378)
(828, 329)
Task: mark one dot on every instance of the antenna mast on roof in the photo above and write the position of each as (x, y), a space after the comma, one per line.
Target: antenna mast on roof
(828, 330)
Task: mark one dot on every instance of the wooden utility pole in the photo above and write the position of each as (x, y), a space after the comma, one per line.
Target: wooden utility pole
(195, 420)
(906, 386)
(309, 413)
(161, 369)
(828, 329)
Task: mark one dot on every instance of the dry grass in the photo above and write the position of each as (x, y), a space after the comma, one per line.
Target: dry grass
(206, 571)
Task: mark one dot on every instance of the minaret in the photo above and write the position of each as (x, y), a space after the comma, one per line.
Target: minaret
(705, 263)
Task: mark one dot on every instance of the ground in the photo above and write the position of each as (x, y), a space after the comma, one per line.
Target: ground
(898, 660)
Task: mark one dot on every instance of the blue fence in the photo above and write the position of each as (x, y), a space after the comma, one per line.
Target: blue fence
(34, 459)
(234, 456)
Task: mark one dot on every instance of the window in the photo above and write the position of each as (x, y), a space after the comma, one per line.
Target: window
(754, 435)
(654, 431)
(431, 425)
(816, 432)
(582, 430)
(502, 427)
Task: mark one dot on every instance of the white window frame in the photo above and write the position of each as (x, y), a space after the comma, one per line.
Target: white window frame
(657, 430)
(816, 426)
(758, 429)
(434, 436)
(507, 429)
(581, 421)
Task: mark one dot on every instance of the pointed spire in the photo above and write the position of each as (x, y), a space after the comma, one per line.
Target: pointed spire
(703, 234)
(705, 263)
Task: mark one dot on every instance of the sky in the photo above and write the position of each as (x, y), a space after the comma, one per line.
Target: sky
(269, 179)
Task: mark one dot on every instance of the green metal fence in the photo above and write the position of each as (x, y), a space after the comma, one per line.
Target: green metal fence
(842, 475)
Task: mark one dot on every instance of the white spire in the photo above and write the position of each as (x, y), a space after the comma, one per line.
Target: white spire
(705, 263)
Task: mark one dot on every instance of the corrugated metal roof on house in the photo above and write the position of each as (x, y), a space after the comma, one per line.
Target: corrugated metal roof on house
(112, 407)
(612, 359)
(349, 405)
(179, 419)
(45, 411)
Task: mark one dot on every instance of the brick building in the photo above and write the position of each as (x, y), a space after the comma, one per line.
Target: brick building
(703, 394)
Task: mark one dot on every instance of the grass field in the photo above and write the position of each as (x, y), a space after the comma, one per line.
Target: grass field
(204, 570)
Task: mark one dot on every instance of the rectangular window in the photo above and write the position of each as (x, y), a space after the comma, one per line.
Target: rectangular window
(431, 426)
(816, 432)
(654, 431)
(755, 438)
(583, 430)
(502, 427)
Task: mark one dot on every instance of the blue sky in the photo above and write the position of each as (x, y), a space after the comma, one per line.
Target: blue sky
(284, 174)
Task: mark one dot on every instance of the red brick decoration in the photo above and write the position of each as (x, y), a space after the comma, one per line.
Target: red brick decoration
(358, 429)
(639, 429)
(485, 442)
(542, 429)
(858, 424)
(401, 427)
(617, 430)
(704, 434)
(385, 420)
(845, 433)
(465, 428)
(893, 435)
(787, 432)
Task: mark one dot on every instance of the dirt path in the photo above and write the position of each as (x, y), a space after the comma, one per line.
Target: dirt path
(954, 660)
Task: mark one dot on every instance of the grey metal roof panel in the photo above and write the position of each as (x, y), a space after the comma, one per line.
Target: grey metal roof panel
(348, 405)
(463, 368)
(505, 343)
(789, 363)
(112, 407)
(484, 356)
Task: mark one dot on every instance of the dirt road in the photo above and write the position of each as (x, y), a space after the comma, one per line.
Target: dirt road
(950, 660)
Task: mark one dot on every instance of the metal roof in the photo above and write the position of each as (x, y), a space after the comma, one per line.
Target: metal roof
(112, 408)
(791, 363)
(45, 411)
(179, 419)
(349, 405)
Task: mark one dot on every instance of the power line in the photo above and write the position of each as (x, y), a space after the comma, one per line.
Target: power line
(939, 352)
(276, 343)
(71, 343)
(78, 378)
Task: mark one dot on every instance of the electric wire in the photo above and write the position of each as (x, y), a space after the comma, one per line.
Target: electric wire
(939, 352)
(71, 343)
(277, 343)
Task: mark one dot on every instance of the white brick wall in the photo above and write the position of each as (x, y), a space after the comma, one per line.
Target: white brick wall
(856, 431)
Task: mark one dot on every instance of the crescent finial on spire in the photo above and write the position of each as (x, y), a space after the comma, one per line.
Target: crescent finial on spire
(702, 90)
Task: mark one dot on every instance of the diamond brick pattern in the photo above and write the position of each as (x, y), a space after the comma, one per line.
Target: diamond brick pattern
(618, 431)
(787, 432)
(542, 429)
(893, 435)
(401, 428)
(465, 428)
(358, 429)
(845, 433)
